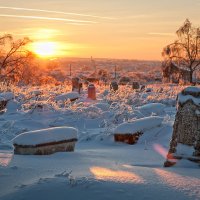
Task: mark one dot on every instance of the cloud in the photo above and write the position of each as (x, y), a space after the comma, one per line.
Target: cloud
(161, 34)
(69, 21)
(136, 17)
(55, 12)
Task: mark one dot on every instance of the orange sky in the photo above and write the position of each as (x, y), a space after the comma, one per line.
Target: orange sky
(100, 28)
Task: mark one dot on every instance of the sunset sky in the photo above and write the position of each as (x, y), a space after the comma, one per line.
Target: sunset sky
(135, 29)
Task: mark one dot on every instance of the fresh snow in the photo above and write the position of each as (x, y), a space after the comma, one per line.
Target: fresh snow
(192, 89)
(184, 98)
(185, 150)
(152, 108)
(43, 136)
(99, 168)
(66, 96)
(6, 96)
(139, 125)
(102, 106)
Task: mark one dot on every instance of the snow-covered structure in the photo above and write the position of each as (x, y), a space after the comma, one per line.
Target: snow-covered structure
(130, 132)
(174, 73)
(46, 141)
(186, 129)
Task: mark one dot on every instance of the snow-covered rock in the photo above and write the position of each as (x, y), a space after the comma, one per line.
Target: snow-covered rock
(139, 125)
(70, 95)
(148, 109)
(43, 136)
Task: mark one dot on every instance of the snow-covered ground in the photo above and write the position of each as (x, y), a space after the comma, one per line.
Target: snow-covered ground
(99, 168)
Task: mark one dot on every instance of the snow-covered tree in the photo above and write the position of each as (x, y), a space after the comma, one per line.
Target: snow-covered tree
(185, 51)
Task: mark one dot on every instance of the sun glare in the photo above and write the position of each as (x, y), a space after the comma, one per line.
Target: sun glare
(45, 49)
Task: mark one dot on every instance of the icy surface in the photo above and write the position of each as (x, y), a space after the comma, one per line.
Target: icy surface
(139, 125)
(46, 135)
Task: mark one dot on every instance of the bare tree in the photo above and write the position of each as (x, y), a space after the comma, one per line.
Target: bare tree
(185, 51)
(13, 56)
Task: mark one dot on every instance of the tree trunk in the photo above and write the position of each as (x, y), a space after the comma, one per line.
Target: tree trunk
(191, 76)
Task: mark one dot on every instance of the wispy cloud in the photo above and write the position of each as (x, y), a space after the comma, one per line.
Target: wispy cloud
(69, 21)
(161, 34)
(136, 17)
(55, 12)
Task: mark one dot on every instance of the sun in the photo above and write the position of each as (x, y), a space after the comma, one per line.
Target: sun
(45, 49)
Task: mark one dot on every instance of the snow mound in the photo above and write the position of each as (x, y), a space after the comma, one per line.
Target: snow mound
(102, 106)
(12, 106)
(43, 136)
(6, 96)
(148, 109)
(66, 96)
(139, 125)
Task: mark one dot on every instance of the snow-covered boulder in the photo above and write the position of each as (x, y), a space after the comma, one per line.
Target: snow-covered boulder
(46, 141)
(152, 108)
(72, 96)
